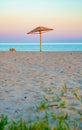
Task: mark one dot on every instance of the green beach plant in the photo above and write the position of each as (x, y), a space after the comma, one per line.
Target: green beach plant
(57, 98)
(76, 96)
(18, 125)
(41, 125)
(3, 122)
(64, 90)
(42, 106)
(62, 104)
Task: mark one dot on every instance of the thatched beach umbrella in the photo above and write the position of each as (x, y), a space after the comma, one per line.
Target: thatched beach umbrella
(40, 30)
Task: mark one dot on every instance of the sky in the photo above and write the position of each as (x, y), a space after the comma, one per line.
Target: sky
(17, 17)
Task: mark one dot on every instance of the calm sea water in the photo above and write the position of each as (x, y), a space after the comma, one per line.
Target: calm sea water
(46, 47)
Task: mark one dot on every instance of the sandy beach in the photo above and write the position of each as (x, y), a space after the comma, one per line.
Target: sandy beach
(25, 77)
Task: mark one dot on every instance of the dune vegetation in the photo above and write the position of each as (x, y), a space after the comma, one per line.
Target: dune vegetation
(58, 112)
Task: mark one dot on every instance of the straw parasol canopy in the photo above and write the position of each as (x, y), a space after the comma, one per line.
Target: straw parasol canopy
(40, 30)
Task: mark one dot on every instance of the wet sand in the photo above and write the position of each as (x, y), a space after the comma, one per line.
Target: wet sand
(25, 77)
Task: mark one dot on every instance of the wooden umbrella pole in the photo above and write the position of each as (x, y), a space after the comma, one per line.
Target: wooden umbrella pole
(40, 41)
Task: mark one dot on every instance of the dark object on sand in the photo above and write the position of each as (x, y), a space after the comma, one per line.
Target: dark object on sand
(12, 49)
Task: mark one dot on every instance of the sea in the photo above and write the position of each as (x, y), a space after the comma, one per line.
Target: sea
(45, 46)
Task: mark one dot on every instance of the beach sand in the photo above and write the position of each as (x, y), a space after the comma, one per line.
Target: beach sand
(26, 77)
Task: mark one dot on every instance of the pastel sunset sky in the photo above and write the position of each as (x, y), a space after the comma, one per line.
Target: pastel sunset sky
(17, 17)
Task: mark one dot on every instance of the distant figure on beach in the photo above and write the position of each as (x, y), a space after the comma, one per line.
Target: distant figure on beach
(12, 49)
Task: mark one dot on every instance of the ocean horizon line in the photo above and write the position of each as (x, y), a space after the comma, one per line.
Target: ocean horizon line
(44, 43)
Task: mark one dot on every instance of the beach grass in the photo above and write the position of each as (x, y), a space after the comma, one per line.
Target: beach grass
(52, 120)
